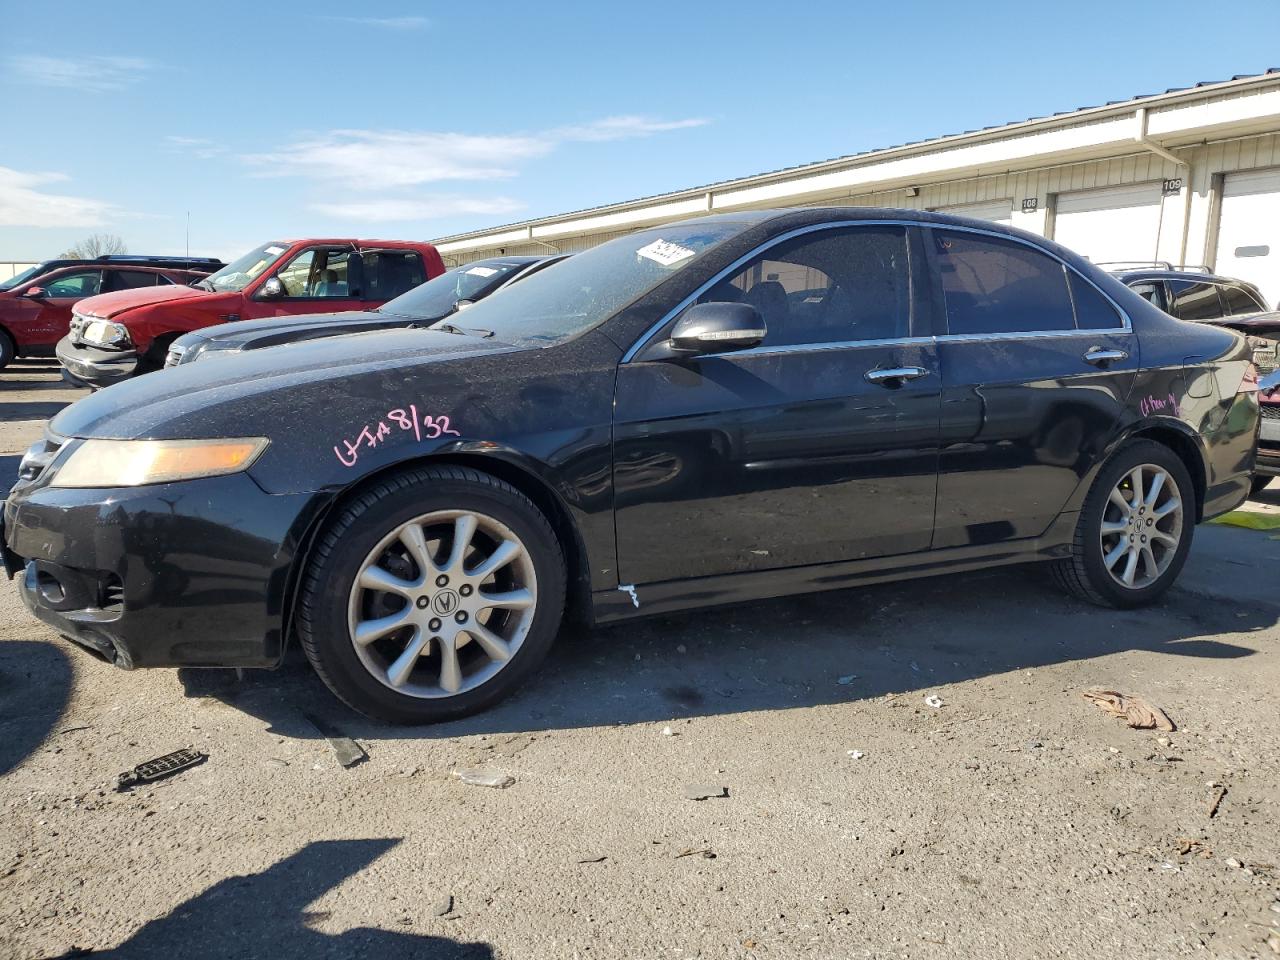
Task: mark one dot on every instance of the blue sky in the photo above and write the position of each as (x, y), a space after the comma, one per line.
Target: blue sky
(415, 120)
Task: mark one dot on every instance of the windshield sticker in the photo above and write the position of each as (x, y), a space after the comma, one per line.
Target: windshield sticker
(1150, 405)
(482, 271)
(427, 427)
(275, 251)
(665, 252)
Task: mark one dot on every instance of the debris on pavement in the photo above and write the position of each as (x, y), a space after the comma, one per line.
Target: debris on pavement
(1219, 792)
(705, 852)
(933, 700)
(347, 752)
(702, 791)
(594, 859)
(846, 680)
(485, 778)
(160, 768)
(668, 732)
(443, 906)
(856, 754)
(1132, 709)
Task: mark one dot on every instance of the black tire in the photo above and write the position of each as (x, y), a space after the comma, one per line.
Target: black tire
(8, 350)
(359, 526)
(1259, 484)
(1084, 573)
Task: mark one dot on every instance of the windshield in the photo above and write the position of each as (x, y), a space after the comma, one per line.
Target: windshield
(435, 298)
(23, 277)
(238, 275)
(588, 288)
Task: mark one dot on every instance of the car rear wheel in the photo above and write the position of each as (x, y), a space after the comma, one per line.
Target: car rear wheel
(1135, 530)
(432, 595)
(7, 349)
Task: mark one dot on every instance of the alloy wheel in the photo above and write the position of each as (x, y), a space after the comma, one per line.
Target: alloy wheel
(1141, 526)
(442, 603)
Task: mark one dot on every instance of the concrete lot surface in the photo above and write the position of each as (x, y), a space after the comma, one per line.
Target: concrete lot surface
(1014, 820)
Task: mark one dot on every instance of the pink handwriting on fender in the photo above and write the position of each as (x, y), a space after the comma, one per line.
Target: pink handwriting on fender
(1150, 405)
(425, 427)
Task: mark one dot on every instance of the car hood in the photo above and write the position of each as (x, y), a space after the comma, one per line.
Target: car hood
(109, 305)
(273, 331)
(260, 394)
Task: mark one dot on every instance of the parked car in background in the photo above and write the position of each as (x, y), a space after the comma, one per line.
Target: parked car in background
(202, 265)
(424, 511)
(1268, 432)
(1193, 293)
(36, 313)
(423, 305)
(115, 336)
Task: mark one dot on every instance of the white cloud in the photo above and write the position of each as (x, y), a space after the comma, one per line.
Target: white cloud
(97, 74)
(376, 160)
(621, 128)
(389, 209)
(22, 205)
(199, 147)
(386, 23)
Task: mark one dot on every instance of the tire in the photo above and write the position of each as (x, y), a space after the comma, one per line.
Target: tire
(439, 597)
(8, 350)
(1085, 573)
(1258, 485)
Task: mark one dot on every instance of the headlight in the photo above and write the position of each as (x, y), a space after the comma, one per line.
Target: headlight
(105, 333)
(133, 463)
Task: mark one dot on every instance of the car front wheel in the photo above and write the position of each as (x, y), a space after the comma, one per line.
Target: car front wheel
(1134, 531)
(432, 595)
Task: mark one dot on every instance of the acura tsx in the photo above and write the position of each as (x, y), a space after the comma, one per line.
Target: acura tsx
(709, 412)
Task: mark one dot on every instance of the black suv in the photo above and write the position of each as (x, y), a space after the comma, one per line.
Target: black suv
(1193, 293)
(202, 264)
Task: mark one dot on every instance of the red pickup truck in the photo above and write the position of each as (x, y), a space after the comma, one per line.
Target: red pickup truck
(117, 335)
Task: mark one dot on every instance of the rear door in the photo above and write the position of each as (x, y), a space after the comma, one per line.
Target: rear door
(801, 450)
(1029, 398)
(385, 274)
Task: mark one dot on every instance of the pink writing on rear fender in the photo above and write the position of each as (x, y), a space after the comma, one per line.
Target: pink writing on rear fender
(428, 427)
(1166, 404)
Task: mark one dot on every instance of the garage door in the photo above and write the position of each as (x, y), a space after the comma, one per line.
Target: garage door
(999, 211)
(1112, 224)
(1249, 230)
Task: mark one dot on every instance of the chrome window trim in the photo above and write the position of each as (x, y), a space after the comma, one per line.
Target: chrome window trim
(643, 341)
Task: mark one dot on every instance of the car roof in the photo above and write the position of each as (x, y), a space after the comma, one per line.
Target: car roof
(1130, 274)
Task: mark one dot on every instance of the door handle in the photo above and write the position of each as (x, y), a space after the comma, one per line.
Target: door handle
(1100, 357)
(894, 376)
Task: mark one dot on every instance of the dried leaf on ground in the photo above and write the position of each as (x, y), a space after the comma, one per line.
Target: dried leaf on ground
(1132, 709)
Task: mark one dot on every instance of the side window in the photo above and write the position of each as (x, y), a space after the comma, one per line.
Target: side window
(1093, 310)
(831, 286)
(316, 272)
(389, 273)
(84, 284)
(1239, 300)
(992, 285)
(1194, 300)
(1152, 291)
(130, 279)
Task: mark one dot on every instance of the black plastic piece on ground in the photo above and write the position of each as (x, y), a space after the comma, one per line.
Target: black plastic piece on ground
(160, 768)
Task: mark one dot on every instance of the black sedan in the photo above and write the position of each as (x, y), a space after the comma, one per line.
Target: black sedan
(707, 412)
(425, 304)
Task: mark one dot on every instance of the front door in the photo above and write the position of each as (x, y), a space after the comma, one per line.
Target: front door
(802, 450)
(1037, 365)
(316, 280)
(52, 319)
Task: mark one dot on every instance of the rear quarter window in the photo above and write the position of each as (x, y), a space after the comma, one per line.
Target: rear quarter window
(1093, 310)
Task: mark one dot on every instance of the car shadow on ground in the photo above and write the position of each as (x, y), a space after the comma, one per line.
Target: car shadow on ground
(31, 410)
(798, 652)
(263, 914)
(35, 685)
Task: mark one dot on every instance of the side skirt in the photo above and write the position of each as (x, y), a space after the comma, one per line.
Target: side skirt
(628, 602)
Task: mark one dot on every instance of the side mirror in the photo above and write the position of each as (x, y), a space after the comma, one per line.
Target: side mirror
(36, 293)
(272, 289)
(716, 328)
(463, 304)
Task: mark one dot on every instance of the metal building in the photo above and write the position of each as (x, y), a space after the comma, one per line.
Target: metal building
(1191, 176)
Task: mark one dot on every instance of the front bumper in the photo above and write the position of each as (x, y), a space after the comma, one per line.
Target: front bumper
(196, 573)
(94, 367)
